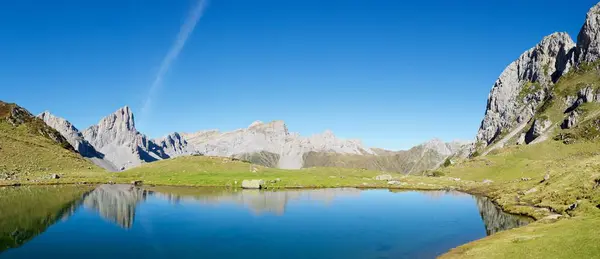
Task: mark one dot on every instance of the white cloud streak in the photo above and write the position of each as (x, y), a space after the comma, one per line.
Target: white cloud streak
(185, 31)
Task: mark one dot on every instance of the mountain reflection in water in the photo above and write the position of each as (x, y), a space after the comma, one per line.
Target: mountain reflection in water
(115, 202)
(26, 212)
(496, 220)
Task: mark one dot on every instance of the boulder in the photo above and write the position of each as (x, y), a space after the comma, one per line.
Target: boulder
(54, 176)
(487, 181)
(571, 120)
(394, 182)
(253, 184)
(383, 177)
(538, 128)
(137, 183)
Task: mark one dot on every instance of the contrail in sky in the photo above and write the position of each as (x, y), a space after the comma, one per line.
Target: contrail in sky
(184, 32)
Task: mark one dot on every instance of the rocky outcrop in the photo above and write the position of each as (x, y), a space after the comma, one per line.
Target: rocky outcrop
(538, 128)
(588, 40)
(571, 120)
(117, 138)
(522, 86)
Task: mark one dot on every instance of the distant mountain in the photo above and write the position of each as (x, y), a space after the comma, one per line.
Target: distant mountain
(428, 155)
(269, 139)
(115, 141)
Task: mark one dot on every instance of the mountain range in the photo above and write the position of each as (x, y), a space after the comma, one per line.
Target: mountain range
(115, 144)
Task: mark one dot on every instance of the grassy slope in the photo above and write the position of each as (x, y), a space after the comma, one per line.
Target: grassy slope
(574, 171)
(27, 151)
(215, 171)
(24, 215)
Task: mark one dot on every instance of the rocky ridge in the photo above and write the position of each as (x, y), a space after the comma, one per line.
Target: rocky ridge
(115, 144)
(76, 139)
(526, 88)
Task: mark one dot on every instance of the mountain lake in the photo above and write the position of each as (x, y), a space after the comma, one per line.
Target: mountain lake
(120, 221)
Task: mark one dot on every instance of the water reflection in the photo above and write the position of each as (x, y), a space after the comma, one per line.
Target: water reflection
(26, 212)
(259, 202)
(496, 220)
(115, 203)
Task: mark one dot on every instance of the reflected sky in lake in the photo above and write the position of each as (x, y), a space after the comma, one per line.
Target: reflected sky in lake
(160, 222)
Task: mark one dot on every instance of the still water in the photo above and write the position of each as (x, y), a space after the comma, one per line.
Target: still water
(118, 221)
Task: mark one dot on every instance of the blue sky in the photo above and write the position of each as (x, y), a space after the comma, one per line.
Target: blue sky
(392, 73)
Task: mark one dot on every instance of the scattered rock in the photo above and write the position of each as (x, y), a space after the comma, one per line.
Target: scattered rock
(487, 181)
(525, 179)
(383, 177)
(572, 206)
(532, 190)
(521, 139)
(137, 183)
(546, 178)
(253, 184)
(553, 216)
(394, 182)
(456, 179)
(54, 176)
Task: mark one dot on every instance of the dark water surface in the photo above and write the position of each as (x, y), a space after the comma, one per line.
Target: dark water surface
(119, 221)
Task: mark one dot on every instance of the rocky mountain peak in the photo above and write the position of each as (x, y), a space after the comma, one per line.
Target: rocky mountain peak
(523, 85)
(588, 40)
(115, 135)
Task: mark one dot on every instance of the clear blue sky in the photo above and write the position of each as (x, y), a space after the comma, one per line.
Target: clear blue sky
(392, 73)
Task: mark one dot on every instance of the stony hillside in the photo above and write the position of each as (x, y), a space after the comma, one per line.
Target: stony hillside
(549, 90)
(28, 147)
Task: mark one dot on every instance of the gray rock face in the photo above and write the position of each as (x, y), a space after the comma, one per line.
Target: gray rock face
(175, 145)
(273, 138)
(588, 40)
(537, 129)
(75, 138)
(116, 137)
(571, 120)
(522, 85)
